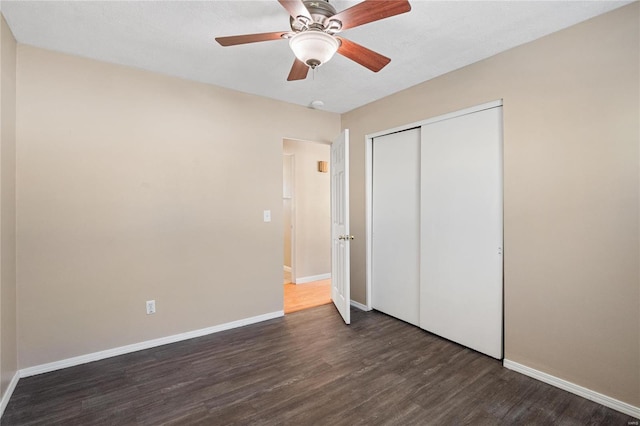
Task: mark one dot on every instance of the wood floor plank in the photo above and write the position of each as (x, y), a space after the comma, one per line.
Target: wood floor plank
(304, 296)
(307, 368)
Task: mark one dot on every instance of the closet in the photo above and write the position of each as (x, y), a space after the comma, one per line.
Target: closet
(436, 226)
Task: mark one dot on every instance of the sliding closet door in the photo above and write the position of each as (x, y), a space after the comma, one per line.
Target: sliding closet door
(461, 230)
(395, 225)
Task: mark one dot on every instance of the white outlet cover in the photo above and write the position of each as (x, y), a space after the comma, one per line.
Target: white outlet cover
(267, 215)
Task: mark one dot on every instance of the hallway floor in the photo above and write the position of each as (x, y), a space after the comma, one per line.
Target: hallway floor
(303, 296)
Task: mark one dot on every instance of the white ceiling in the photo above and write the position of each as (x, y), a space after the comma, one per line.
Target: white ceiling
(177, 38)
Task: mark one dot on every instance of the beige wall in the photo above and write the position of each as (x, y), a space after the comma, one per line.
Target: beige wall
(571, 136)
(8, 345)
(312, 198)
(135, 186)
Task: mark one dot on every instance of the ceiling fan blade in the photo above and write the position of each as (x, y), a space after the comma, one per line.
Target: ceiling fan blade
(360, 54)
(298, 71)
(296, 8)
(370, 11)
(249, 38)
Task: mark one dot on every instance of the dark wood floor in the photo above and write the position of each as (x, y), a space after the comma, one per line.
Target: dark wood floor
(307, 368)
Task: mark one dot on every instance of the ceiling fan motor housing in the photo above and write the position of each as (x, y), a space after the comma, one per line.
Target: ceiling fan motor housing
(321, 12)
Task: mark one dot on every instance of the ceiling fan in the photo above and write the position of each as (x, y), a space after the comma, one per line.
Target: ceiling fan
(314, 25)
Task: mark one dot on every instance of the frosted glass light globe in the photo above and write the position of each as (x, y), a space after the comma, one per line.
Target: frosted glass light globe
(314, 47)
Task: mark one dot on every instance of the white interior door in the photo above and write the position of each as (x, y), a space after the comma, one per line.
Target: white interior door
(340, 236)
(395, 252)
(461, 230)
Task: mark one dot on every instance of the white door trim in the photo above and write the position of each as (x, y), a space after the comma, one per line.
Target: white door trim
(369, 177)
(465, 111)
(292, 232)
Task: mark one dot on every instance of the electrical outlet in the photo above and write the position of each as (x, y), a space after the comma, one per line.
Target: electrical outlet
(151, 307)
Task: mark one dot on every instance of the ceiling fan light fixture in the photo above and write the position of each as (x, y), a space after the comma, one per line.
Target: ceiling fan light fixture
(314, 47)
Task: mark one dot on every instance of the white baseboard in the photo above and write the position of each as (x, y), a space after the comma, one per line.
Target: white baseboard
(7, 395)
(96, 356)
(359, 306)
(589, 394)
(304, 280)
(286, 268)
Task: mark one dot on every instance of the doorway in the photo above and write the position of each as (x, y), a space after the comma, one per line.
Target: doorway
(306, 199)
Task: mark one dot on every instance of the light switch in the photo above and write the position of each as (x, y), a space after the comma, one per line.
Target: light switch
(267, 215)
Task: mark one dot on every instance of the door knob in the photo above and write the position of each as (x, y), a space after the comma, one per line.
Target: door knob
(346, 237)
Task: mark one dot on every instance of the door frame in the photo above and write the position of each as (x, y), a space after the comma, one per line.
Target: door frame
(368, 170)
(292, 231)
